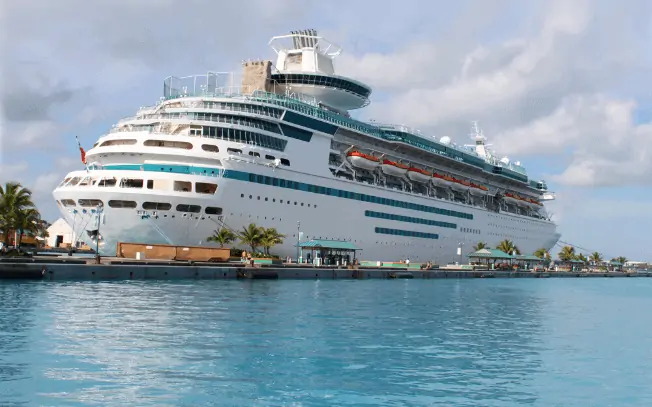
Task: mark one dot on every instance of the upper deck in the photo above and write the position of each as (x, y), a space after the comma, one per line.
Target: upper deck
(222, 85)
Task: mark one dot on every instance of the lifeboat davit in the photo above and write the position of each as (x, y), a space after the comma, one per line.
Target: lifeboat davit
(460, 185)
(478, 190)
(418, 175)
(393, 168)
(362, 160)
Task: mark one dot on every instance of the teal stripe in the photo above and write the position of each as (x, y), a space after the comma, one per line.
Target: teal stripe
(408, 233)
(401, 218)
(283, 183)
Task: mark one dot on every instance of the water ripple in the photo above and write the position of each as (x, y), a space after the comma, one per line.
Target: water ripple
(321, 343)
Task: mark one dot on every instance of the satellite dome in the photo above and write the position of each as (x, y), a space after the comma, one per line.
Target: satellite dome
(505, 160)
(445, 140)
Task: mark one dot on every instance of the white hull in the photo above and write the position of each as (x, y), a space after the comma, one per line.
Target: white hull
(363, 163)
(418, 177)
(322, 219)
(392, 170)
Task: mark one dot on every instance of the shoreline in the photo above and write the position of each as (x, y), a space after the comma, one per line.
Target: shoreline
(79, 269)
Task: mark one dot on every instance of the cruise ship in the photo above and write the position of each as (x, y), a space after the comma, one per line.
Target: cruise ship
(276, 145)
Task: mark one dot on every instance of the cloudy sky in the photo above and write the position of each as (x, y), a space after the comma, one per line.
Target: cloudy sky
(562, 86)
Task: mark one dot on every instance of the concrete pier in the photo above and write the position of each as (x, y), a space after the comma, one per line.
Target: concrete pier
(52, 269)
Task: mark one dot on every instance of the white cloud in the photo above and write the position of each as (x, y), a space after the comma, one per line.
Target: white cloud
(546, 92)
(608, 148)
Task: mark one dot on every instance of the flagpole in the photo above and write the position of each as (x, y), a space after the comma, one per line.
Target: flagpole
(83, 153)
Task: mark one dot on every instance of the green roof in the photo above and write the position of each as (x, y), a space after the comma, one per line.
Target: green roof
(490, 254)
(529, 258)
(575, 261)
(615, 263)
(328, 244)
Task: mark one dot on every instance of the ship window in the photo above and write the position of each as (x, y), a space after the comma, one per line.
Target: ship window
(210, 147)
(205, 188)
(234, 150)
(211, 210)
(270, 157)
(107, 182)
(188, 208)
(74, 181)
(67, 202)
(157, 206)
(285, 161)
(150, 184)
(122, 204)
(131, 183)
(254, 154)
(85, 181)
(168, 144)
(87, 203)
(182, 186)
(119, 142)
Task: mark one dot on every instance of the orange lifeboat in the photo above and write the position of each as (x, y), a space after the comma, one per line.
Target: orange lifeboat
(439, 180)
(478, 190)
(511, 198)
(362, 160)
(393, 168)
(460, 185)
(418, 175)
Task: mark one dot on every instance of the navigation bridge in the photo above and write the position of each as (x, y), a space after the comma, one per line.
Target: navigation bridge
(305, 65)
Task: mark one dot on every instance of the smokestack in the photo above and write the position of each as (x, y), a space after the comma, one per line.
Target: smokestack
(294, 39)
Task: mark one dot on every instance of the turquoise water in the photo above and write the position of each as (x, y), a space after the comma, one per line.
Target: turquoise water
(531, 342)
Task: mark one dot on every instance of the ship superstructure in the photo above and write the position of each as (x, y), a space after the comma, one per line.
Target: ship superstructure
(278, 148)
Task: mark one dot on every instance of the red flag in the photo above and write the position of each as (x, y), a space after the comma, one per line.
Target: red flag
(83, 154)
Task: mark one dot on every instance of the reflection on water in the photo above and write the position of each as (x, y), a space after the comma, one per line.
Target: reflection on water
(276, 343)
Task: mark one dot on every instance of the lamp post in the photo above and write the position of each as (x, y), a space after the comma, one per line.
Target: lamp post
(97, 237)
(460, 250)
(298, 239)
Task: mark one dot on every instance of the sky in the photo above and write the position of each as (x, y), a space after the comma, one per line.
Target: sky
(562, 86)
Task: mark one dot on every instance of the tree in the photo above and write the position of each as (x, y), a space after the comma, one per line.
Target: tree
(581, 258)
(480, 246)
(567, 253)
(542, 254)
(508, 247)
(621, 259)
(16, 207)
(27, 221)
(223, 236)
(270, 238)
(251, 236)
(596, 258)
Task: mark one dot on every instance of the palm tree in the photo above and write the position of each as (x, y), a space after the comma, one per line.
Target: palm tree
(480, 246)
(14, 201)
(581, 258)
(596, 258)
(508, 247)
(223, 236)
(251, 236)
(542, 254)
(270, 238)
(621, 259)
(567, 253)
(27, 221)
